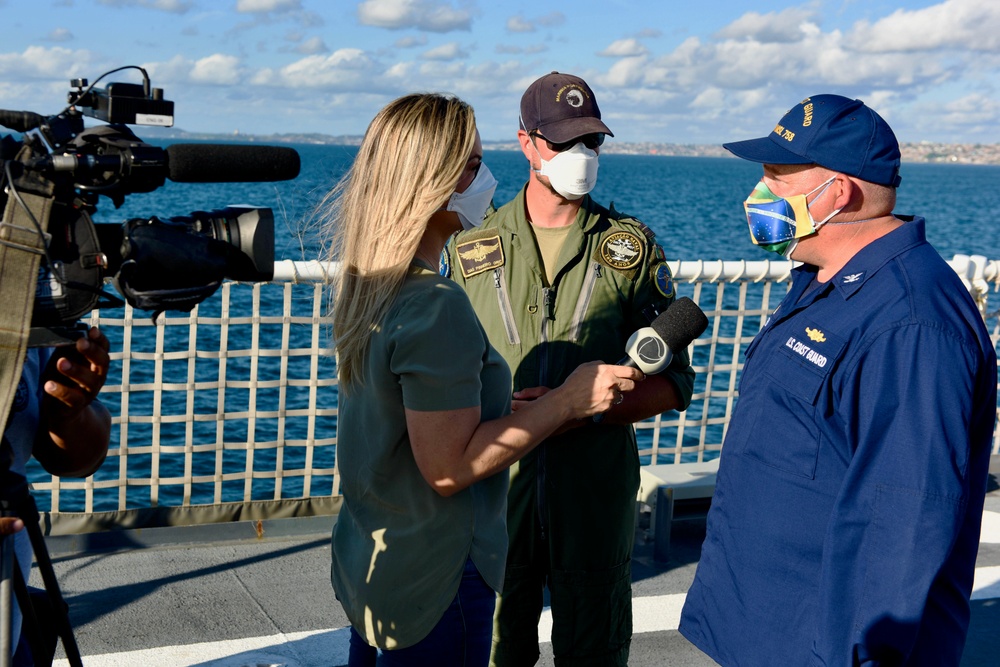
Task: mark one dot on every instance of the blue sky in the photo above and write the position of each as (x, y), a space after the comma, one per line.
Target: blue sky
(663, 70)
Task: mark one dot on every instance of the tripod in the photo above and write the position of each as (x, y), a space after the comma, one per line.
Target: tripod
(15, 500)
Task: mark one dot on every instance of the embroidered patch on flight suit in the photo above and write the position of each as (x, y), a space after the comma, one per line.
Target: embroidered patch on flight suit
(478, 255)
(445, 267)
(664, 281)
(621, 251)
(658, 254)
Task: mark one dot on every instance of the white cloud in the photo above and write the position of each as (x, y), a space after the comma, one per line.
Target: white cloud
(217, 69)
(312, 46)
(781, 27)
(551, 20)
(475, 83)
(449, 51)
(973, 109)
(38, 62)
(59, 35)
(266, 6)
(344, 69)
(519, 24)
(711, 100)
(954, 24)
(171, 6)
(410, 42)
(624, 48)
(512, 49)
(421, 14)
(625, 73)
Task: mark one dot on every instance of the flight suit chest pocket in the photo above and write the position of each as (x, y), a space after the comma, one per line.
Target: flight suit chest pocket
(788, 428)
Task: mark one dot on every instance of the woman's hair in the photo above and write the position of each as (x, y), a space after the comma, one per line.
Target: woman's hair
(407, 167)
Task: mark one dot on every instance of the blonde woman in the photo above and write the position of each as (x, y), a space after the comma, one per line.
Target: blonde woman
(425, 433)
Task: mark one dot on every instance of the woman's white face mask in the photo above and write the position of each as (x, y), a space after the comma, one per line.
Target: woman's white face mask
(572, 173)
(472, 204)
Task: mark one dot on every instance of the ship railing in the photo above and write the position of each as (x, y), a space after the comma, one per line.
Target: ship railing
(229, 412)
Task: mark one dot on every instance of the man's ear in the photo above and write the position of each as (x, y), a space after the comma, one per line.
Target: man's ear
(527, 148)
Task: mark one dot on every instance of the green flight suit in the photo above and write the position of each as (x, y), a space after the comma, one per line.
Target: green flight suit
(571, 502)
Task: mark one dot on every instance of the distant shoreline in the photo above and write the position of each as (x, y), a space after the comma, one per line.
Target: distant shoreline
(924, 151)
(929, 152)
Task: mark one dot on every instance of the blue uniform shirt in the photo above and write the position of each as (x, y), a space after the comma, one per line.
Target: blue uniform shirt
(845, 522)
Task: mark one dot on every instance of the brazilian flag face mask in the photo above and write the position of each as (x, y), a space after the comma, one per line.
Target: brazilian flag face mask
(776, 223)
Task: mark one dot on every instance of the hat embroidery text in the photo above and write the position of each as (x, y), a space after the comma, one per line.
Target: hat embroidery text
(808, 120)
(783, 133)
(574, 96)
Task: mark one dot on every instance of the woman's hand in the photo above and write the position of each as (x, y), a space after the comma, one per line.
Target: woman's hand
(594, 387)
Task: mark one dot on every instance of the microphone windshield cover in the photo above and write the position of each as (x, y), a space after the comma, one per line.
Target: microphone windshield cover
(680, 323)
(230, 163)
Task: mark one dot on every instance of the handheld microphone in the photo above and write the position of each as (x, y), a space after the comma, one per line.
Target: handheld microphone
(652, 348)
(228, 163)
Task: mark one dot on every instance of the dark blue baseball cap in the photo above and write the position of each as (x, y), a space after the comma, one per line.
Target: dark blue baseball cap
(832, 131)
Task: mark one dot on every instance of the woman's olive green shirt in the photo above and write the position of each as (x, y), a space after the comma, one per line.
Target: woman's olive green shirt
(399, 548)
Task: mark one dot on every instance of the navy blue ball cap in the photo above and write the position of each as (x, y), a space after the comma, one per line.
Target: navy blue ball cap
(832, 131)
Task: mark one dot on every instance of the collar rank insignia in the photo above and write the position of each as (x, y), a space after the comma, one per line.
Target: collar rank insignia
(480, 255)
(815, 335)
(622, 251)
(853, 278)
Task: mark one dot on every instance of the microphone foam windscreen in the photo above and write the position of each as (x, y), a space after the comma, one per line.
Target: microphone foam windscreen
(680, 323)
(229, 163)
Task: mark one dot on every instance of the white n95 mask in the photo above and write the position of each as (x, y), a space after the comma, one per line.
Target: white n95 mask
(472, 204)
(572, 173)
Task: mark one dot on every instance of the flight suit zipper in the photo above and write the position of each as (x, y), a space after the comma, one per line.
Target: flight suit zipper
(583, 302)
(506, 314)
(548, 313)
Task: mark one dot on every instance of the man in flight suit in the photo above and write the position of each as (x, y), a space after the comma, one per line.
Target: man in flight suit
(559, 280)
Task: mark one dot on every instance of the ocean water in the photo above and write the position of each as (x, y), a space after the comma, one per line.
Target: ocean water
(693, 204)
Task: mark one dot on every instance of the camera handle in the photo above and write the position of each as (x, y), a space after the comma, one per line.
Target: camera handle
(15, 500)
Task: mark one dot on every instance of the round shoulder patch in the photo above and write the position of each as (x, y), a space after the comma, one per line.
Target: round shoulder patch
(622, 250)
(663, 280)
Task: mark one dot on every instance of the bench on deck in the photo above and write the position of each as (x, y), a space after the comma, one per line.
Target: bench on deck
(675, 492)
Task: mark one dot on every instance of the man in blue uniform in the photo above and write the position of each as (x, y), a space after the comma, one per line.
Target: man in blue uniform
(846, 517)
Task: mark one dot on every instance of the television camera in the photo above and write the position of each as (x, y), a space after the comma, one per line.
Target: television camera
(61, 168)
(50, 182)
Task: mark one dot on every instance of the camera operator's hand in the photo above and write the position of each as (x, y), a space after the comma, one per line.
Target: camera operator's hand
(79, 426)
(78, 375)
(10, 525)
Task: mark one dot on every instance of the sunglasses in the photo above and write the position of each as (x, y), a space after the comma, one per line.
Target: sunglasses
(591, 141)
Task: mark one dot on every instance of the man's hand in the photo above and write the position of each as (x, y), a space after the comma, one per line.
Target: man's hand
(10, 525)
(83, 372)
(525, 396)
(78, 426)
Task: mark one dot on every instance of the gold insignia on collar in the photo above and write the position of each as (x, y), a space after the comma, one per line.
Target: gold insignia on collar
(622, 251)
(480, 255)
(815, 335)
